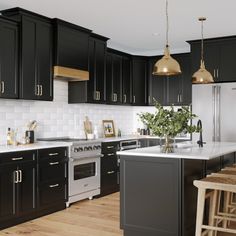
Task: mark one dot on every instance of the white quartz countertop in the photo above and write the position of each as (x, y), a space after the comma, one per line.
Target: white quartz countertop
(33, 146)
(186, 150)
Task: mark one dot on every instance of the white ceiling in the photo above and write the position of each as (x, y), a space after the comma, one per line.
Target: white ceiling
(131, 23)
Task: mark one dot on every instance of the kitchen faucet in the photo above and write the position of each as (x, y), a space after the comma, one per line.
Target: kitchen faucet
(199, 127)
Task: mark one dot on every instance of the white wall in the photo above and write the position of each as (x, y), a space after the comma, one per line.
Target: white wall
(58, 118)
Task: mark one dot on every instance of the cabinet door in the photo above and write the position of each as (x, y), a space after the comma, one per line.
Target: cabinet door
(7, 192)
(139, 81)
(28, 73)
(26, 188)
(126, 80)
(157, 85)
(8, 60)
(44, 60)
(174, 89)
(227, 61)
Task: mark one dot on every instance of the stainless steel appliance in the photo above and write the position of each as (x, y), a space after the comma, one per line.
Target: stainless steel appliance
(129, 144)
(215, 105)
(84, 168)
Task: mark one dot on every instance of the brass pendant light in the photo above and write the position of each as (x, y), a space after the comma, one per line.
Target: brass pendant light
(167, 65)
(202, 76)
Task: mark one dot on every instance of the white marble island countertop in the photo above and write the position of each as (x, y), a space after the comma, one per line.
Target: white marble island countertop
(33, 146)
(186, 150)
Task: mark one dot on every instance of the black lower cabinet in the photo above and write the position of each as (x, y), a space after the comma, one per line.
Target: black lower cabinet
(32, 184)
(158, 196)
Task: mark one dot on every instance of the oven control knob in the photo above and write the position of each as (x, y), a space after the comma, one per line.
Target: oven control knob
(98, 146)
(95, 147)
(76, 150)
(90, 148)
(85, 148)
(80, 149)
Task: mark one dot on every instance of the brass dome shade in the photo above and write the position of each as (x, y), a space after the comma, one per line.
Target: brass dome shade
(202, 76)
(167, 65)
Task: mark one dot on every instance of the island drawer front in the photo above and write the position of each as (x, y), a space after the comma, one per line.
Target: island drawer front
(111, 147)
(17, 157)
(52, 153)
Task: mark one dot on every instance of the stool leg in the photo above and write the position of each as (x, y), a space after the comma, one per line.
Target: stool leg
(212, 211)
(200, 211)
(226, 207)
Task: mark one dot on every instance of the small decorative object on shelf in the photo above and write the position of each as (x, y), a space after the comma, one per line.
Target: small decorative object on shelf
(109, 129)
(168, 123)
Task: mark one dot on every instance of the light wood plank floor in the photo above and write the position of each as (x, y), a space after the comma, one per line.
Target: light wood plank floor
(99, 217)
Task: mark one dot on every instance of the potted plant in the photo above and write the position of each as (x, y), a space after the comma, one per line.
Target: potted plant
(168, 123)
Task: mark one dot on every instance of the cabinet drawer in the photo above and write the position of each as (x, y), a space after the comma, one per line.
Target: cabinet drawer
(110, 147)
(52, 193)
(108, 165)
(49, 170)
(109, 183)
(17, 157)
(52, 153)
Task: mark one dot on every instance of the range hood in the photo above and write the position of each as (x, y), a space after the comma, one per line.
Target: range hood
(70, 74)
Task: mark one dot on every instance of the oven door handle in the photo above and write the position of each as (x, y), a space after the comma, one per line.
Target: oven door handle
(94, 156)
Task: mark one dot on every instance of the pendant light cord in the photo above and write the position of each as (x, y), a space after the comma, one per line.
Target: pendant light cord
(202, 41)
(167, 25)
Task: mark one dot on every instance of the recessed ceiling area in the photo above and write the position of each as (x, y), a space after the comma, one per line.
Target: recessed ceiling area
(138, 27)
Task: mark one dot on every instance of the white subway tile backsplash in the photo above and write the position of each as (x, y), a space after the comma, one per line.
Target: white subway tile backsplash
(58, 118)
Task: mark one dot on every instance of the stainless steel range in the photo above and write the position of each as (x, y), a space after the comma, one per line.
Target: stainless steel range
(84, 168)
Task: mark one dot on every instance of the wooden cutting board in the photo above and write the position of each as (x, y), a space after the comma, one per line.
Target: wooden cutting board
(87, 126)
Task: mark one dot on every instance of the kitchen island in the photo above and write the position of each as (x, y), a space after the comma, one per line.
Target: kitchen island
(156, 189)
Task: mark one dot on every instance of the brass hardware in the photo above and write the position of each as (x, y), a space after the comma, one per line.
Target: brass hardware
(70, 74)
(110, 172)
(16, 176)
(2, 87)
(149, 99)
(202, 76)
(110, 147)
(124, 98)
(214, 73)
(53, 154)
(114, 97)
(134, 100)
(53, 185)
(53, 163)
(41, 90)
(217, 73)
(99, 95)
(167, 65)
(17, 158)
(20, 176)
(37, 92)
(110, 154)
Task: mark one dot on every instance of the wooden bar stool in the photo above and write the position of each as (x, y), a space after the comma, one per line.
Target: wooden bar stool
(216, 185)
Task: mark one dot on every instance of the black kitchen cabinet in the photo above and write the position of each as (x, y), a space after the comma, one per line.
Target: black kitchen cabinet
(113, 77)
(109, 168)
(36, 82)
(8, 59)
(71, 45)
(94, 90)
(52, 177)
(32, 184)
(139, 80)
(174, 90)
(18, 185)
(218, 55)
(126, 79)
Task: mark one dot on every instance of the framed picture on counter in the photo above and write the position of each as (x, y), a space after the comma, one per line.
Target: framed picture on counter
(108, 128)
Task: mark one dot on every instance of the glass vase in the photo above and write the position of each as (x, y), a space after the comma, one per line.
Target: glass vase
(168, 144)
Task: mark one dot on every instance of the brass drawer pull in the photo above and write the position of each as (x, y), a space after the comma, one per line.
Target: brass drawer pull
(17, 158)
(110, 147)
(110, 172)
(53, 163)
(53, 154)
(53, 185)
(110, 154)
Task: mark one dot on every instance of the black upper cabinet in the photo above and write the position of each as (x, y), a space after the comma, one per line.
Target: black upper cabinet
(139, 81)
(8, 59)
(156, 84)
(72, 45)
(114, 77)
(36, 54)
(93, 90)
(126, 80)
(174, 90)
(218, 56)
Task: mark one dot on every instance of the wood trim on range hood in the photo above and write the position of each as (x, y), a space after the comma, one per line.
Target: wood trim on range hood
(70, 74)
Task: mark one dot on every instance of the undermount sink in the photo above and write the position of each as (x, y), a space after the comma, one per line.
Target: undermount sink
(184, 145)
